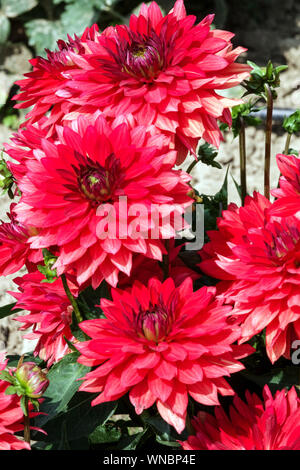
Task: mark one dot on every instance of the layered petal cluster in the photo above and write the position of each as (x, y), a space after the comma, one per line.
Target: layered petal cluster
(288, 193)
(162, 344)
(102, 193)
(268, 424)
(166, 71)
(24, 145)
(11, 416)
(15, 250)
(50, 315)
(258, 257)
(44, 88)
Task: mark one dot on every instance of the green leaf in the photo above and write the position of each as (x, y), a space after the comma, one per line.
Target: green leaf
(11, 390)
(89, 298)
(44, 34)
(262, 76)
(130, 442)
(105, 434)
(5, 375)
(63, 385)
(23, 405)
(281, 68)
(8, 310)
(165, 432)
(256, 68)
(50, 274)
(167, 443)
(13, 359)
(4, 28)
(276, 379)
(222, 195)
(207, 154)
(292, 123)
(104, 4)
(77, 16)
(80, 419)
(13, 8)
(77, 332)
(238, 186)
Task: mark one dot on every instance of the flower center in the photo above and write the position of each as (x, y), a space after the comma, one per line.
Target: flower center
(154, 326)
(145, 58)
(139, 50)
(155, 323)
(96, 182)
(283, 242)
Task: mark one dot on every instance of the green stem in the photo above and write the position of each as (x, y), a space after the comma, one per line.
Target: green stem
(191, 166)
(72, 299)
(243, 172)
(268, 141)
(287, 144)
(116, 15)
(26, 422)
(47, 5)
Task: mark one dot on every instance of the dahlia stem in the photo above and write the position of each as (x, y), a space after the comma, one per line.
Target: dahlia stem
(117, 15)
(268, 141)
(71, 299)
(287, 144)
(191, 166)
(243, 171)
(26, 422)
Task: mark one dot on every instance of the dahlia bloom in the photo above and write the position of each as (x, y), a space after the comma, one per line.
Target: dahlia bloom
(143, 269)
(269, 424)
(24, 145)
(161, 344)
(258, 257)
(15, 251)
(50, 315)
(288, 194)
(102, 194)
(166, 71)
(11, 416)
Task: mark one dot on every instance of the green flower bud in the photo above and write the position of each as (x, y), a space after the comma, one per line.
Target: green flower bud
(31, 379)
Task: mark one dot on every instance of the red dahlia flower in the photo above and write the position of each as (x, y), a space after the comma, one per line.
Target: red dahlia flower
(143, 269)
(25, 144)
(259, 256)
(288, 194)
(11, 416)
(161, 344)
(96, 194)
(269, 424)
(50, 315)
(166, 71)
(15, 251)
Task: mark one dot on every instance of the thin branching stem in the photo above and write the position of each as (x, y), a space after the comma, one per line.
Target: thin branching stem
(243, 167)
(268, 134)
(191, 166)
(287, 144)
(26, 422)
(72, 299)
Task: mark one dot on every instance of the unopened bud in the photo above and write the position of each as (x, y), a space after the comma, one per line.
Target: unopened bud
(32, 380)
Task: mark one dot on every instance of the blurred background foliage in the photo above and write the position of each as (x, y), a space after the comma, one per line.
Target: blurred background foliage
(27, 27)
